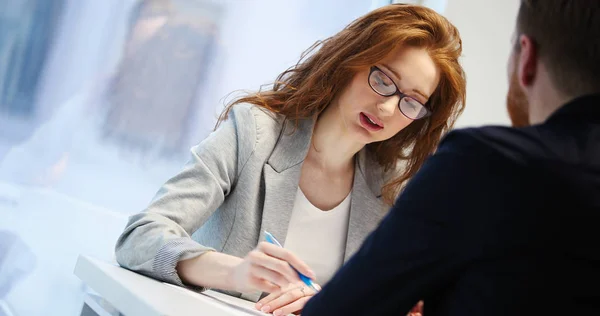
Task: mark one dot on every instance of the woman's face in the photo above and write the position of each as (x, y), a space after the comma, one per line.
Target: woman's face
(371, 117)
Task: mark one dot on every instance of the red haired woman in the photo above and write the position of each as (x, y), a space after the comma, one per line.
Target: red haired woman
(315, 160)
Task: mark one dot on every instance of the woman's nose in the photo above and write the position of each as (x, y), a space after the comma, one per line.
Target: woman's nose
(387, 107)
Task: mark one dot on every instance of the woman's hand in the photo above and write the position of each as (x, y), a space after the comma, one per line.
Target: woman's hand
(288, 300)
(267, 268)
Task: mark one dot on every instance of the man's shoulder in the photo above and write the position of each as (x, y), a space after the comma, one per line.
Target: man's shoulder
(515, 144)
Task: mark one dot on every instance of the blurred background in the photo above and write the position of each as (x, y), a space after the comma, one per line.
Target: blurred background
(101, 100)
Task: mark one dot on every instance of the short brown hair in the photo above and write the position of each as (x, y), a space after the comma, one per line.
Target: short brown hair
(567, 36)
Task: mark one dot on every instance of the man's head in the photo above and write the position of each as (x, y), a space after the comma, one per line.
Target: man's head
(556, 57)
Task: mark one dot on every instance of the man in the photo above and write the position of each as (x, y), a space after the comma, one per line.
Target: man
(500, 221)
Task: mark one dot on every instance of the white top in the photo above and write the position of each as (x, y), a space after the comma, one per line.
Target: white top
(319, 237)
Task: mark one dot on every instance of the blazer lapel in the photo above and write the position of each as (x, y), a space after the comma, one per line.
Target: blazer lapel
(367, 207)
(281, 176)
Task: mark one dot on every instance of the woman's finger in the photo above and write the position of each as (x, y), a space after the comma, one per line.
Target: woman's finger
(260, 258)
(265, 300)
(288, 256)
(294, 307)
(289, 297)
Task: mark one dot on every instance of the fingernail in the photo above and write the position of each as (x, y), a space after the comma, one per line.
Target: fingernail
(312, 274)
(277, 312)
(265, 309)
(258, 305)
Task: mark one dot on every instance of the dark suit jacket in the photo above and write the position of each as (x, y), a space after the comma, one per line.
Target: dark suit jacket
(500, 221)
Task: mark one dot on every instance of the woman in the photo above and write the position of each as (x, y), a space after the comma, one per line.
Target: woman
(316, 161)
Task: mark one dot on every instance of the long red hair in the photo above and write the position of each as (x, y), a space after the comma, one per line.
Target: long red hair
(306, 89)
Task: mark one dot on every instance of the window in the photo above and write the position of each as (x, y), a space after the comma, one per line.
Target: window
(166, 61)
(26, 31)
(127, 86)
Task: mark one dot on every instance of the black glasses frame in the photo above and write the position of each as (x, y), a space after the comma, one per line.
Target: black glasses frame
(397, 92)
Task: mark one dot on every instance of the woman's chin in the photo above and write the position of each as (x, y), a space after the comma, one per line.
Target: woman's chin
(363, 136)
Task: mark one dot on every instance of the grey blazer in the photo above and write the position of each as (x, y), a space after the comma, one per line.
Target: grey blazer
(240, 181)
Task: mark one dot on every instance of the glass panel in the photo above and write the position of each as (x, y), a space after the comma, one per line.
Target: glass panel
(100, 102)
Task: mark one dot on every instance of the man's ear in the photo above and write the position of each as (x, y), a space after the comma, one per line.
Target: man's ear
(527, 62)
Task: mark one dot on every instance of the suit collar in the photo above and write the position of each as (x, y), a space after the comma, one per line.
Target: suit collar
(585, 109)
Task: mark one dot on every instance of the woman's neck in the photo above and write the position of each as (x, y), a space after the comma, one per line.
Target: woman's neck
(332, 148)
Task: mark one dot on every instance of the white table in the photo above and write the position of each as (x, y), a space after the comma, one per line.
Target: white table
(133, 294)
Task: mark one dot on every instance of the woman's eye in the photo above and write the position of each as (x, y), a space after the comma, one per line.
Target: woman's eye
(384, 81)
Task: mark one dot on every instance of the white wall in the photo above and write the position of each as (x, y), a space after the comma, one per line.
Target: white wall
(486, 27)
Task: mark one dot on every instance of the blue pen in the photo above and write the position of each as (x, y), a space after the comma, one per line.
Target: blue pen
(271, 239)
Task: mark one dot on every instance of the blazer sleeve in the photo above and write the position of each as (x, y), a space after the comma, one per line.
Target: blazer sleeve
(155, 240)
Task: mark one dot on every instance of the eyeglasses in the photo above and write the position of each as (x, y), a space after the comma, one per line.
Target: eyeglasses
(384, 86)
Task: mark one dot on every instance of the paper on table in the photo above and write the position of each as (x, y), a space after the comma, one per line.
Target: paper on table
(219, 298)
